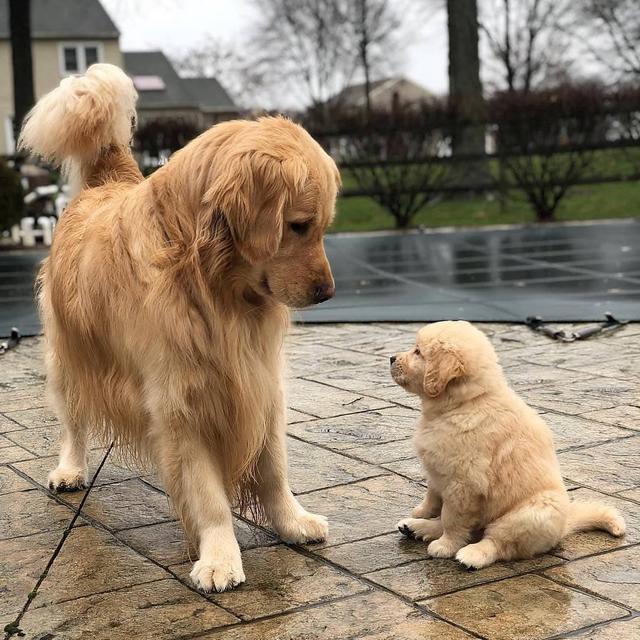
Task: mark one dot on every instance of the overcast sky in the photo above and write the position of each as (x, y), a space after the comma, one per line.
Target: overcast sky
(175, 25)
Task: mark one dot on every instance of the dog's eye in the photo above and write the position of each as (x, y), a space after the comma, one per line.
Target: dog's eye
(417, 351)
(300, 227)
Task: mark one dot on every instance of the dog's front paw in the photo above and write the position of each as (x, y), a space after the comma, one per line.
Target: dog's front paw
(442, 548)
(67, 479)
(303, 528)
(217, 575)
(420, 529)
(476, 556)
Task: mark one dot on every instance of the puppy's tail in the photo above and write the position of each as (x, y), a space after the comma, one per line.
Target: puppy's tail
(588, 516)
(85, 125)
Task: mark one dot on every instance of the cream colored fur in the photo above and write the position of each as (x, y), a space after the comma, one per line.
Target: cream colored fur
(489, 459)
(165, 306)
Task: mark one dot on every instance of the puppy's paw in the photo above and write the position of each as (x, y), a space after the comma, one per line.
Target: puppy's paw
(420, 529)
(442, 548)
(217, 575)
(617, 526)
(303, 528)
(67, 479)
(476, 556)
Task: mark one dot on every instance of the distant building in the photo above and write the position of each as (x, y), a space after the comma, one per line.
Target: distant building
(70, 35)
(163, 94)
(385, 95)
(67, 37)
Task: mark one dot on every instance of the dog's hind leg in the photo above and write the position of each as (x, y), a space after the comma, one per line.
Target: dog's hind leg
(71, 472)
(532, 528)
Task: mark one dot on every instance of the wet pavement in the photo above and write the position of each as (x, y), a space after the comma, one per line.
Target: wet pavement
(119, 568)
(573, 272)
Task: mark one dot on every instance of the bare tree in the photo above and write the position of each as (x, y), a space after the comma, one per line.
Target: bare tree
(611, 34)
(526, 41)
(312, 49)
(213, 58)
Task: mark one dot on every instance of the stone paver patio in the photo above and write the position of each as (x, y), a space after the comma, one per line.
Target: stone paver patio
(119, 568)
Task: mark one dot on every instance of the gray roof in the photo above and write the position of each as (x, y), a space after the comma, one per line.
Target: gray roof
(56, 19)
(155, 63)
(204, 94)
(209, 94)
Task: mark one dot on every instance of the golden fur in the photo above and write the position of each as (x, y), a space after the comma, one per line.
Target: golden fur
(165, 304)
(489, 458)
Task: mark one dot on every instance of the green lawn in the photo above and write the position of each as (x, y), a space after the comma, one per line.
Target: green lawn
(613, 200)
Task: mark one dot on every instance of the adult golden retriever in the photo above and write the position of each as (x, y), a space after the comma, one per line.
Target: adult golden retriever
(489, 458)
(165, 305)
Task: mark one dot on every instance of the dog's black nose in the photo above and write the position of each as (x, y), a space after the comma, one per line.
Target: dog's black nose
(323, 292)
(392, 359)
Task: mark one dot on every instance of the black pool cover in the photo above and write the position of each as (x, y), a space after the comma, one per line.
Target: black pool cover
(560, 272)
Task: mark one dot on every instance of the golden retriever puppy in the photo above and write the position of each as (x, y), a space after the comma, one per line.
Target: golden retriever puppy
(165, 305)
(489, 458)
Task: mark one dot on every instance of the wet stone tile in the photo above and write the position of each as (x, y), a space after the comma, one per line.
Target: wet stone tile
(587, 542)
(10, 481)
(311, 467)
(523, 608)
(369, 616)
(7, 425)
(317, 362)
(609, 467)
(22, 561)
(370, 427)
(32, 418)
(574, 431)
(93, 561)
(411, 468)
(294, 416)
(14, 453)
(358, 379)
(626, 415)
(372, 554)
(41, 441)
(31, 512)
(582, 396)
(127, 504)
(364, 509)
(614, 575)
(432, 577)
(616, 630)
(533, 375)
(324, 402)
(375, 453)
(280, 579)
(166, 543)
(159, 610)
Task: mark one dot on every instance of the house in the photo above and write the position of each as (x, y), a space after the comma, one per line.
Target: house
(163, 94)
(385, 95)
(67, 37)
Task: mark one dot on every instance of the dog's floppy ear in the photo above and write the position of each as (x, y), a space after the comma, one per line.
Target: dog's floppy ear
(251, 190)
(443, 364)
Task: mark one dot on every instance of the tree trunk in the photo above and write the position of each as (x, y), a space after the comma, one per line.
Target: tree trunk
(465, 87)
(22, 67)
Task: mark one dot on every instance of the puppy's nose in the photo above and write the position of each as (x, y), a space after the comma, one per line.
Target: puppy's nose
(323, 292)
(392, 359)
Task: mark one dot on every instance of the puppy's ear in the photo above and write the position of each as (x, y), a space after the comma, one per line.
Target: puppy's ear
(443, 364)
(252, 190)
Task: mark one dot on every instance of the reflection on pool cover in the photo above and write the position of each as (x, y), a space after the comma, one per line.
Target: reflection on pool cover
(562, 273)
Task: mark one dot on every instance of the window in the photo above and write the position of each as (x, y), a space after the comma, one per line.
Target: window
(77, 57)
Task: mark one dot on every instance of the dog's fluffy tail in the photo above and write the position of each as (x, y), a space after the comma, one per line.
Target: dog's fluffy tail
(587, 516)
(77, 123)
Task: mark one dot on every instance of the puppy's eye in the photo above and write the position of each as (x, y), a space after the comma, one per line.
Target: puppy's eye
(417, 351)
(300, 227)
